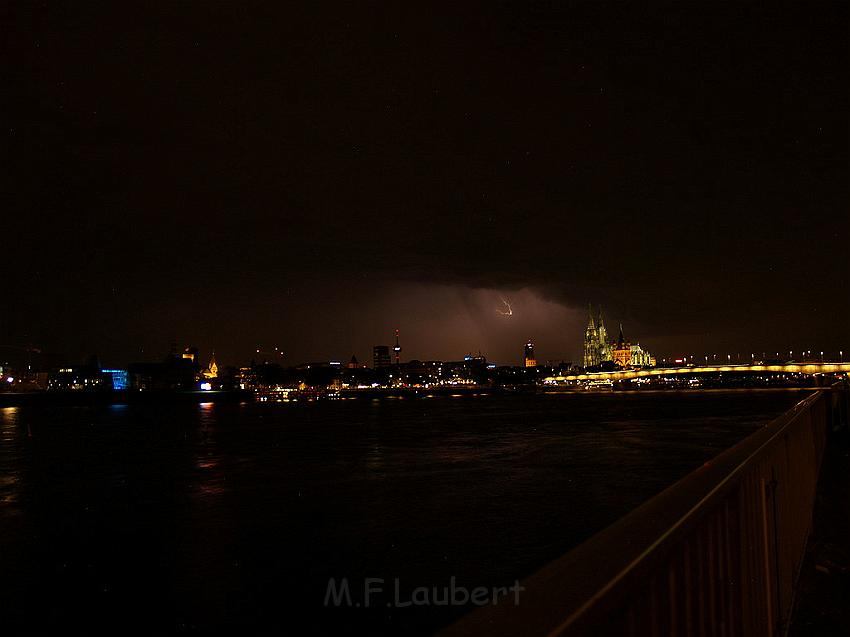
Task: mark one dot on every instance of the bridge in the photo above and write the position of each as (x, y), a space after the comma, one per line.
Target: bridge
(654, 372)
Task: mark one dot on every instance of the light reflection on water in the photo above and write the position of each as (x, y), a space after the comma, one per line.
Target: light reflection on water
(9, 474)
(236, 515)
(9, 489)
(210, 479)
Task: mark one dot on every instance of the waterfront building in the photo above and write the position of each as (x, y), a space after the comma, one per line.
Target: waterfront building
(82, 378)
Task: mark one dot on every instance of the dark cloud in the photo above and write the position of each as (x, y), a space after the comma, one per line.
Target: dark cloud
(230, 174)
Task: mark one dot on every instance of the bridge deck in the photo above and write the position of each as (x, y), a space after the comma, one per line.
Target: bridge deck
(796, 368)
(824, 590)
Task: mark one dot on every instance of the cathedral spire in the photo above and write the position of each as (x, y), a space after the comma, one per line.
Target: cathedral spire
(602, 339)
(591, 340)
(211, 370)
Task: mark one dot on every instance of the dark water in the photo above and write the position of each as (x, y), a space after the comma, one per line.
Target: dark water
(190, 519)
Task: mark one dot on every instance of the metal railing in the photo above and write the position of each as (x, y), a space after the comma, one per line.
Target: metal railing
(717, 553)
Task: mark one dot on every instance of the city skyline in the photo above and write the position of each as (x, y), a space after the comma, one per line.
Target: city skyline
(391, 348)
(235, 188)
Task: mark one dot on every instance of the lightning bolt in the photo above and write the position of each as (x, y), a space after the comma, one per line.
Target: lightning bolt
(509, 310)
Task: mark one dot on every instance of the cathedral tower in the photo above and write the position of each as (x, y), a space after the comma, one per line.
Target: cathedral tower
(591, 341)
(605, 353)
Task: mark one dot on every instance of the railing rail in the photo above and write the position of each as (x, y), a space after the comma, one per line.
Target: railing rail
(717, 553)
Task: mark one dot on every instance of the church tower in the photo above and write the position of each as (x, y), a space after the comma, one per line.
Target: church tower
(605, 353)
(211, 370)
(591, 341)
(623, 351)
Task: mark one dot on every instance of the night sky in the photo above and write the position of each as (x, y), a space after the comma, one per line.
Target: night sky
(240, 175)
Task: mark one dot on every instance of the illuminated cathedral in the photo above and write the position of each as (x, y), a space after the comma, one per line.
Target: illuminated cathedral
(211, 370)
(598, 349)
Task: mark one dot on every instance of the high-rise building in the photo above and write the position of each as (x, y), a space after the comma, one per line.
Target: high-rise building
(397, 348)
(528, 355)
(381, 357)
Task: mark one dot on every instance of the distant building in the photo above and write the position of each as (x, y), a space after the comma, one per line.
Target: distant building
(381, 357)
(397, 349)
(528, 355)
(353, 363)
(211, 370)
(178, 372)
(118, 378)
(598, 350)
(628, 354)
(622, 350)
(83, 378)
(640, 357)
